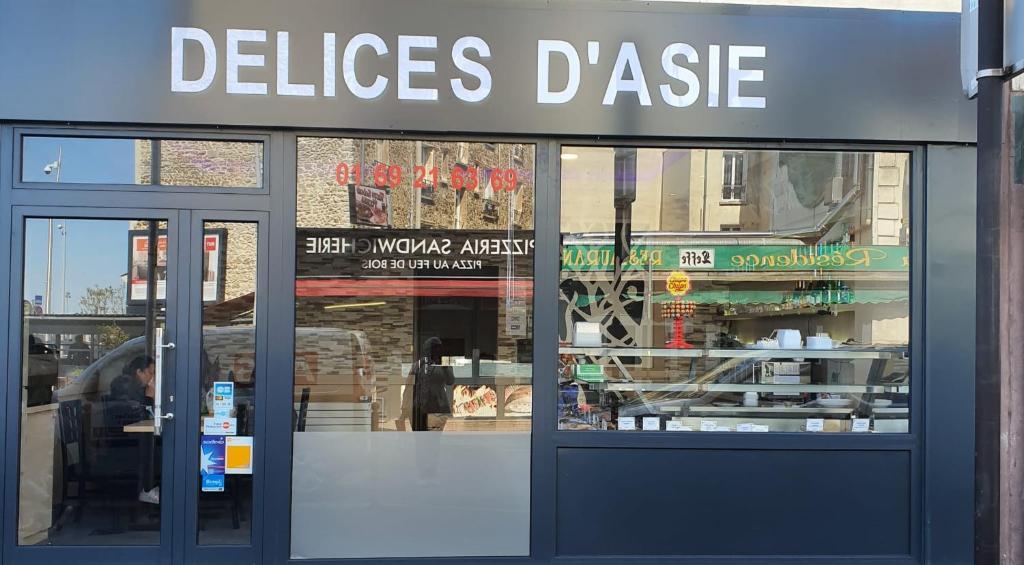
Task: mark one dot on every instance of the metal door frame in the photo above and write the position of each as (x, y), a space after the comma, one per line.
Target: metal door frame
(181, 207)
(194, 553)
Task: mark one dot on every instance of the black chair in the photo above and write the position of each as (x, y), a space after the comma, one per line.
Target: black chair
(234, 482)
(126, 463)
(74, 464)
(300, 424)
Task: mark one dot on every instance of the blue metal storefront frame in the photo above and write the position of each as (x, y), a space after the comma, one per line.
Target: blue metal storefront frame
(939, 447)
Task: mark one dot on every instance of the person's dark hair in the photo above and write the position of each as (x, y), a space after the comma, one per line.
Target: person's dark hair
(139, 364)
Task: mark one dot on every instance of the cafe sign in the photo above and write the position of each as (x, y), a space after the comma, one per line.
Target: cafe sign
(740, 258)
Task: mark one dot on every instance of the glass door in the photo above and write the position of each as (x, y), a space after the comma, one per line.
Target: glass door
(224, 427)
(95, 412)
(139, 413)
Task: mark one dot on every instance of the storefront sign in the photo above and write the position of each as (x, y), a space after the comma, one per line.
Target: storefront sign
(678, 283)
(741, 257)
(469, 55)
(350, 252)
(138, 265)
(584, 68)
(369, 205)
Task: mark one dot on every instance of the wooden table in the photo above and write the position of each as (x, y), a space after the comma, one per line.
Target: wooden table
(140, 427)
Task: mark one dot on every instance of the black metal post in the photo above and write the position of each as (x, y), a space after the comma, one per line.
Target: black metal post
(990, 228)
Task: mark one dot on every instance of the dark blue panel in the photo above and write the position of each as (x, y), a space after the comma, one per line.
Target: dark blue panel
(717, 502)
(949, 350)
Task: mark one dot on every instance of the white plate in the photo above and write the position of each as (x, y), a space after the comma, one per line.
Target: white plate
(834, 402)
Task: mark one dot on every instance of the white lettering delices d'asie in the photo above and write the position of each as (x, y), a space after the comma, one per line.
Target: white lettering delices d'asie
(675, 79)
(247, 49)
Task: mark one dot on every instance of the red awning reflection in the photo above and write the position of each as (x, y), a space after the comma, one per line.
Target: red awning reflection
(496, 288)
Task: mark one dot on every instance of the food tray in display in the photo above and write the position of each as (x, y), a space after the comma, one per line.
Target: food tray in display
(477, 402)
(518, 400)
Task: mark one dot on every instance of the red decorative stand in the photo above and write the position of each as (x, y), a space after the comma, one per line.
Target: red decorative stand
(678, 310)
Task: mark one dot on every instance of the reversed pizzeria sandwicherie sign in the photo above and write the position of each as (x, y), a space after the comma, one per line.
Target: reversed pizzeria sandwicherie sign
(354, 251)
(670, 80)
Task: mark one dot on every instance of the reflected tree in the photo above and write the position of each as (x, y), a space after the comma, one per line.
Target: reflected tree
(102, 300)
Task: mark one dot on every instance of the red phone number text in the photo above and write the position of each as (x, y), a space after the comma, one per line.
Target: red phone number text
(460, 178)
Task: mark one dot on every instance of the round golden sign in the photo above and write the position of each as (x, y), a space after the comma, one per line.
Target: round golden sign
(678, 283)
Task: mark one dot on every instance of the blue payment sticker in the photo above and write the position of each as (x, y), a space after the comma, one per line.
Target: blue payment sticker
(223, 399)
(213, 483)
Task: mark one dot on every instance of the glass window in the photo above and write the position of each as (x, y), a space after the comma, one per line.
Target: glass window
(733, 175)
(681, 311)
(142, 161)
(413, 349)
(228, 363)
(89, 455)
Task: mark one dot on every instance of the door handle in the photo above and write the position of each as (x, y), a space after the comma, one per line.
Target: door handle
(158, 415)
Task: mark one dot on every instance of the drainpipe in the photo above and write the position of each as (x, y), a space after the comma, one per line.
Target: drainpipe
(991, 322)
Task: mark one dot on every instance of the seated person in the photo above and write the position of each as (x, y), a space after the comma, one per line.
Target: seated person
(133, 390)
(131, 400)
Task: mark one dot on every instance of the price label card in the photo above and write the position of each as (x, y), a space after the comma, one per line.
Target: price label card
(861, 425)
(708, 425)
(652, 423)
(746, 427)
(815, 424)
(676, 426)
(760, 428)
(627, 423)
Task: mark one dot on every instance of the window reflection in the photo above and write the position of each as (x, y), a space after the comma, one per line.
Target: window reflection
(162, 162)
(89, 459)
(413, 361)
(228, 357)
(734, 290)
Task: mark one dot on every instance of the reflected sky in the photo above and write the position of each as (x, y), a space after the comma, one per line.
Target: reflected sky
(96, 250)
(97, 255)
(83, 160)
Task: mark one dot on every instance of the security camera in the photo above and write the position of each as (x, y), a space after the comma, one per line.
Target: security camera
(49, 168)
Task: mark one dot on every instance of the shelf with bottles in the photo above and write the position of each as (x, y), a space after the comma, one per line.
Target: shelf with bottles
(777, 310)
(815, 297)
